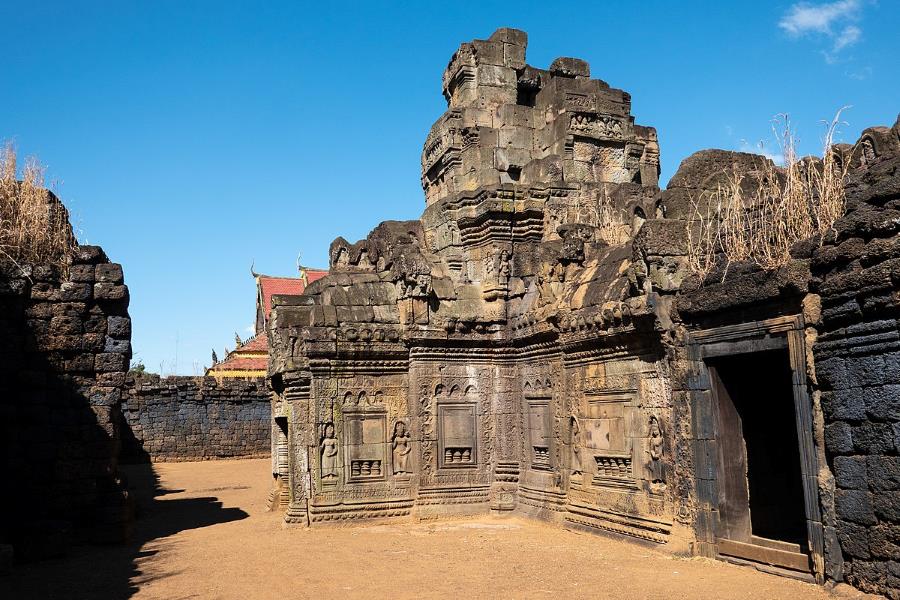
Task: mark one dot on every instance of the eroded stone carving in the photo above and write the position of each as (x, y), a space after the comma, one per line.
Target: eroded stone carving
(401, 448)
(329, 452)
(576, 447)
(655, 451)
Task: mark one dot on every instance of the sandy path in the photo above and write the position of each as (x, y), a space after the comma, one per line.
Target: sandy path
(206, 534)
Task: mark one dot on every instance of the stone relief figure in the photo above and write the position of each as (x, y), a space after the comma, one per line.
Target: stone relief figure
(577, 468)
(655, 450)
(401, 448)
(414, 286)
(504, 268)
(329, 453)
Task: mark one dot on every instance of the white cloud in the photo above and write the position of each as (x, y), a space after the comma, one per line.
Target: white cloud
(250, 328)
(803, 18)
(831, 21)
(848, 36)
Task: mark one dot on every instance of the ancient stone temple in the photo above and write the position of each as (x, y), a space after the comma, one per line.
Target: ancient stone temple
(535, 343)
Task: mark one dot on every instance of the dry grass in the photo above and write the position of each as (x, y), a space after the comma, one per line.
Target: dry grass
(34, 225)
(758, 216)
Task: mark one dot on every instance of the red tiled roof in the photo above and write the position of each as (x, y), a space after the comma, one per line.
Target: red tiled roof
(236, 362)
(238, 359)
(258, 343)
(315, 274)
(289, 286)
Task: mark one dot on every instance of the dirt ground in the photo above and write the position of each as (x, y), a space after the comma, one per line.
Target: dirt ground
(203, 532)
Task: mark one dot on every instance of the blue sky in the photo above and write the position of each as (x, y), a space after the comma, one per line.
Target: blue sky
(191, 139)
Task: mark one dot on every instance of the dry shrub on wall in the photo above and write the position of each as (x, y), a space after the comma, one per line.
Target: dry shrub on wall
(34, 225)
(758, 216)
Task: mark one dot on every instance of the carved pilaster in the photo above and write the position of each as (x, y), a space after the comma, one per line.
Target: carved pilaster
(300, 428)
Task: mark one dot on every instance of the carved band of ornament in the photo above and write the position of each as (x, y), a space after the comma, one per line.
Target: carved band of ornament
(597, 126)
(612, 394)
(464, 74)
(502, 205)
(500, 226)
(297, 394)
(463, 500)
(362, 367)
(532, 233)
(618, 316)
(362, 495)
(507, 467)
(295, 519)
(448, 161)
(486, 349)
(506, 477)
(654, 523)
(586, 357)
(435, 144)
(473, 198)
(580, 101)
(448, 491)
(443, 480)
(365, 334)
(347, 516)
(450, 150)
(604, 342)
(538, 195)
(615, 527)
(451, 493)
(552, 496)
(539, 502)
(549, 349)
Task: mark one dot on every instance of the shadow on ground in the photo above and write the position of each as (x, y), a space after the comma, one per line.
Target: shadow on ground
(114, 572)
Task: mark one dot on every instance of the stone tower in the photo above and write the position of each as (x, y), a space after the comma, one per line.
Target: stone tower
(508, 122)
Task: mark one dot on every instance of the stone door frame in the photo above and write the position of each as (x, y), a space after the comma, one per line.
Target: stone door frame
(768, 334)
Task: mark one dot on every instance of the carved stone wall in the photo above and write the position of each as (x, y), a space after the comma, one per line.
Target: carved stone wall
(64, 350)
(194, 418)
(536, 342)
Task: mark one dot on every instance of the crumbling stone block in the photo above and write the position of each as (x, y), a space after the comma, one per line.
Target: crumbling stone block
(109, 273)
(110, 291)
(119, 327)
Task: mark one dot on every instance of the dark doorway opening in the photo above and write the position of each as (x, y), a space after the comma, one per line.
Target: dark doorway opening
(760, 480)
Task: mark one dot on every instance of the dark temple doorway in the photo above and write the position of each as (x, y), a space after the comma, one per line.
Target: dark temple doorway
(762, 512)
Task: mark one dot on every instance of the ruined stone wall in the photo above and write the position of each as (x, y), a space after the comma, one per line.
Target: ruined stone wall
(857, 365)
(195, 418)
(65, 344)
